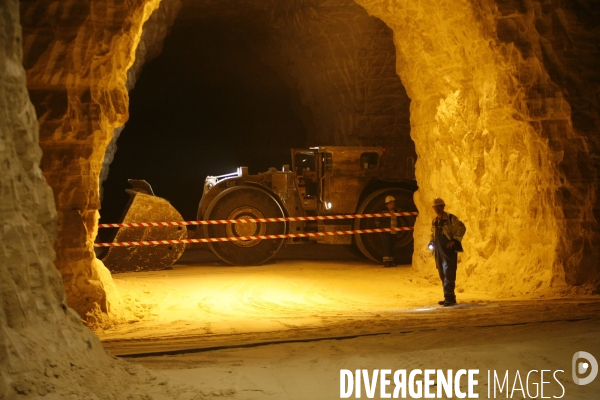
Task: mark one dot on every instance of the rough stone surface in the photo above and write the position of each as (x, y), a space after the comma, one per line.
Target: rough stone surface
(45, 350)
(150, 45)
(563, 104)
(504, 117)
(77, 56)
(503, 114)
(493, 128)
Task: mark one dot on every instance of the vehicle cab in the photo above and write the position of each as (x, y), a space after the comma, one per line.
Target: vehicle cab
(330, 179)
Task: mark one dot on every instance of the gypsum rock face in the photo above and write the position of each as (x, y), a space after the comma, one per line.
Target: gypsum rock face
(553, 47)
(77, 56)
(480, 149)
(45, 350)
(154, 31)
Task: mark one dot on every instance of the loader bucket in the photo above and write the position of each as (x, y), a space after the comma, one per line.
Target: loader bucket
(145, 207)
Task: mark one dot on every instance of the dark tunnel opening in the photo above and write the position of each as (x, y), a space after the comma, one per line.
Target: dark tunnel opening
(205, 106)
(241, 86)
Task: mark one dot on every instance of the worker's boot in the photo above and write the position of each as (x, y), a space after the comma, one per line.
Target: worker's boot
(388, 262)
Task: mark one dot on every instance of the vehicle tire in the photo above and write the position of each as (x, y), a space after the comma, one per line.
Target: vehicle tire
(244, 202)
(370, 244)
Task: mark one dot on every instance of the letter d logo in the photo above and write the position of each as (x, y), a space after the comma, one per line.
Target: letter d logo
(582, 367)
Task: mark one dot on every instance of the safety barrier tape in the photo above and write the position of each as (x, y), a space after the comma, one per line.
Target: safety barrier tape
(243, 238)
(246, 220)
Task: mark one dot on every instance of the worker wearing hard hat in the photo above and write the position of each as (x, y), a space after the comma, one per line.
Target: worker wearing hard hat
(389, 238)
(447, 232)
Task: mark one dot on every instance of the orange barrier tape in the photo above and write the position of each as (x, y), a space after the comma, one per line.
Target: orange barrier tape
(239, 238)
(241, 221)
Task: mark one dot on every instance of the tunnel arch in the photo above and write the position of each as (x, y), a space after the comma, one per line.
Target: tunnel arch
(485, 114)
(368, 106)
(488, 139)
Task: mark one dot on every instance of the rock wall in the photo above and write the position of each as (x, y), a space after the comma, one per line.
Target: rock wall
(81, 58)
(495, 138)
(553, 46)
(77, 56)
(154, 30)
(504, 116)
(491, 88)
(45, 350)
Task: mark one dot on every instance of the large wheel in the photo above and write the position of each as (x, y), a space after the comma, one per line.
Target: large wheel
(242, 202)
(370, 243)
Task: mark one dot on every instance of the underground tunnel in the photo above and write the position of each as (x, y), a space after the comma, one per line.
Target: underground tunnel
(235, 116)
(224, 108)
(497, 100)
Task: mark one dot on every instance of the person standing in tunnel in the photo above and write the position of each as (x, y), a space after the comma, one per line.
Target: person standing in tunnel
(388, 239)
(447, 232)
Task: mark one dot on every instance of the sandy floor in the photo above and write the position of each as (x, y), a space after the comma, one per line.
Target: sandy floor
(285, 294)
(311, 370)
(284, 330)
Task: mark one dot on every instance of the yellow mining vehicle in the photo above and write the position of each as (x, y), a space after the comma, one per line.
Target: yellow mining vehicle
(322, 181)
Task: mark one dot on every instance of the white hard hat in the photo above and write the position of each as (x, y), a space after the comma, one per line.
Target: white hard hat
(438, 202)
(389, 198)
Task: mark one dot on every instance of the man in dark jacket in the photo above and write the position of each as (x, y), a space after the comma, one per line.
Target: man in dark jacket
(447, 232)
(389, 238)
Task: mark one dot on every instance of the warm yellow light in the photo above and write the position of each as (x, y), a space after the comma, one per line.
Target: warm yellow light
(278, 296)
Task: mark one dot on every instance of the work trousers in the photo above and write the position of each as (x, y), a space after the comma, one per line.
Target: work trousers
(388, 241)
(446, 261)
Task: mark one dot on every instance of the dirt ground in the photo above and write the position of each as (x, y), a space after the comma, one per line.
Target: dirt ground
(285, 330)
